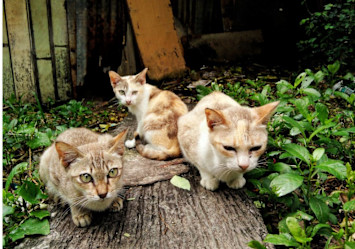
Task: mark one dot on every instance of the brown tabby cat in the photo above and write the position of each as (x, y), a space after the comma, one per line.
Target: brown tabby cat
(84, 169)
(156, 111)
(223, 139)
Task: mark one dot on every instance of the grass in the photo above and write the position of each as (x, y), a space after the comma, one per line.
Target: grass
(305, 190)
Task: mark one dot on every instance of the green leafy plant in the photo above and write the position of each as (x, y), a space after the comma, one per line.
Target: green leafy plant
(330, 34)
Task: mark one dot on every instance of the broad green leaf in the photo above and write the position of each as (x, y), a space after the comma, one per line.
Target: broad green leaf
(349, 245)
(30, 192)
(283, 86)
(318, 153)
(296, 230)
(180, 182)
(26, 130)
(6, 210)
(306, 82)
(40, 214)
(293, 123)
(318, 76)
(300, 78)
(303, 215)
(322, 112)
(334, 167)
(320, 209)
(319, 129)
(280, 167)
(318, 227)
(333, 68)
(311, 92)
(19, 168)
(40, 140)
(256, 244)
(286, 183)
(30, 227)
(349, 206)
(298, 151)
(283, 239)
(302, 107)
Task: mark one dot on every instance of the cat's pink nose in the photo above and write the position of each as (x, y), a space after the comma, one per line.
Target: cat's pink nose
(102, 196)
(128, 102)
(244, 167)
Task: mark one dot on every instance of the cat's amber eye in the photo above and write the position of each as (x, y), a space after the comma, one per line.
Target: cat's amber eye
(121, 92)
(229, 148)
(255, 148)
(113, 172)
(86, 178)
(134, 92)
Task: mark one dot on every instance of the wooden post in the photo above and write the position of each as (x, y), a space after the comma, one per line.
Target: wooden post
(156, 37)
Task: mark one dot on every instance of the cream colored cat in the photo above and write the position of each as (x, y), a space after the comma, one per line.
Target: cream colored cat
(223, 139)
(84, 169)
(156, 111)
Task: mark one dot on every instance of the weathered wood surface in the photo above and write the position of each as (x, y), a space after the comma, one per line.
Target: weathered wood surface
(159, 47)
(7, 79)
(39, 15)
(160, 215)
(20, 49)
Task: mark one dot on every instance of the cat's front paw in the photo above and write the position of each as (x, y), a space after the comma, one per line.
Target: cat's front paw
(130, 143)
(117, 205)
(237, 183)
(209, 183)
(82, 219)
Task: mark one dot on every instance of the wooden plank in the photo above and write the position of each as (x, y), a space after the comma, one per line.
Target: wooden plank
(81, 40)
(59, 22)
(45, 78)
(128, 62)
(156, 37)
(40, 28)
(63, 73)
(7, 79)
(71, 8)
(20, 49)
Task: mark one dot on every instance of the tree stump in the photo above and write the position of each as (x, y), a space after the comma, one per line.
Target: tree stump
(157, 214)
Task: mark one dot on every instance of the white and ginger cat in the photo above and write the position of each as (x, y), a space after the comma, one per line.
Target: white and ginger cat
(223, 139)
(84, 169)
(156, 111)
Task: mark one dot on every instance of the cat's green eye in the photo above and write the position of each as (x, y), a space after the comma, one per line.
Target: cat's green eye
(229, 148)
(121, 92)
(134, 92)
(256, 148)
(113, 172)
(86, 178)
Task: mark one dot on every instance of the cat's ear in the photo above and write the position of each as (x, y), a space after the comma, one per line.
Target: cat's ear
(265, 112)
(114, 78)
(118, 143)
(141, 78)
(214, 118)
(67, 153)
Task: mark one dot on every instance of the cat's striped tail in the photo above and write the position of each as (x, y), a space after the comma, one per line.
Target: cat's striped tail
(152, 152)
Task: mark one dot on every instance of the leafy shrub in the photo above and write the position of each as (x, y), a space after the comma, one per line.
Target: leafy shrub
(330, 34)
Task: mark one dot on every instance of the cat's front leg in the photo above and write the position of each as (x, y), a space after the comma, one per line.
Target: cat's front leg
(117, 205)
(132, 143)
(208, 181)
(81, 217)
(238, 182)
